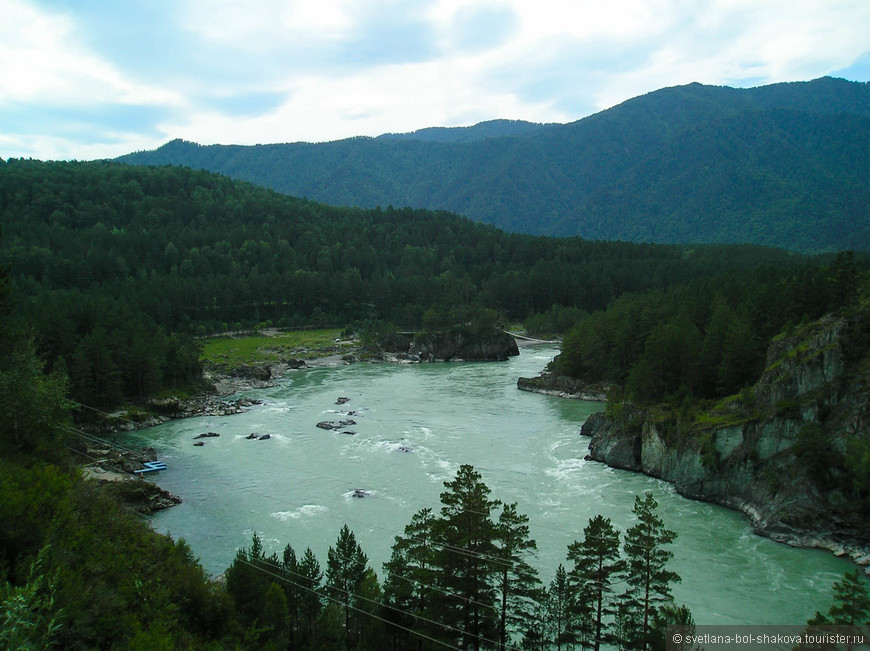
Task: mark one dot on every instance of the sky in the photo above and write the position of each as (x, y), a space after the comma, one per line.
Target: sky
(89, 79)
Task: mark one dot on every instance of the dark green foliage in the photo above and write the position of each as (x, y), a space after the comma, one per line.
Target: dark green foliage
(597, 568)
(666, 617)
(29, 498)
(115, 578)
(649, 581)
(851, 603)
(310, 605)
(558, 320)
(410, 577)
(33, 405)
(562, 628)
(248, 579)
(702, 339)
(345, 574)
(464, 561)
(781, 165)
(110, 260)
(517, 583)
(464, 578)
(30, 617)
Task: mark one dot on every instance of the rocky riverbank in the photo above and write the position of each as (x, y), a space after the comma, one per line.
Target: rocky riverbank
(157, 411)
(562, 386)
(783, 452)
(119, 472)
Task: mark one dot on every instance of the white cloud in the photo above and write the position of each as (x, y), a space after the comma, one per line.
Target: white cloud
(278, 70)
(387, 98)
(41, 61)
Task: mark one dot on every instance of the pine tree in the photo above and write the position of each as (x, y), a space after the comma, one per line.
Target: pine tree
(518, 581)
(666, 618)
(345, 571)
(276, 617)
(399, 600)
(561, 609)
(289, 569)
(597, 566)
(464, 562)
(649, 580)
(246, 580)
(851, 603)
(310, 604)
(410, 574)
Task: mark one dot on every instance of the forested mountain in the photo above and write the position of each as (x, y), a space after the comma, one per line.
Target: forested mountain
(115, 264)
(783, 165)
(480, 131)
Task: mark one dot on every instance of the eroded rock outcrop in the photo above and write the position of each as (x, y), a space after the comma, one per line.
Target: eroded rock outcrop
(779, 452)
(466, 344)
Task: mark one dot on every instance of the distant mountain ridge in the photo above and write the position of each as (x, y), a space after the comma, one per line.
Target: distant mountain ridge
(784, 165)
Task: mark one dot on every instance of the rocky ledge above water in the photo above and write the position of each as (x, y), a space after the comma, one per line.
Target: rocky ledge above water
(459, 343)
(782, 452)
(245, 377)
(161, 410)
(551, 384)
(116, 470)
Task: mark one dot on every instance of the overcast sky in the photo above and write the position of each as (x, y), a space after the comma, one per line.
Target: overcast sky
(89, 79)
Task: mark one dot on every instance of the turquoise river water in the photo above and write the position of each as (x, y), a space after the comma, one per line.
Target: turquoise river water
(415, 425)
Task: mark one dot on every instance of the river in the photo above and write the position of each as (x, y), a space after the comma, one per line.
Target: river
(415, 425)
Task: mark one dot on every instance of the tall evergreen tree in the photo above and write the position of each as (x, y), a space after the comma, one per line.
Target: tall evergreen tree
(399, 601)
(667, 617)
(597, 566)
(465, 562)
(345, 571)
(561, 611)
(411, 574)
(649, 581)
(517, 582)
(310, 604)
(289, 569)
(851, 603)
(246, 580)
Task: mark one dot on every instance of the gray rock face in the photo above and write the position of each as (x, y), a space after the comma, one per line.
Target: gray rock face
(752, 465)
(565, 387)
(462, 344)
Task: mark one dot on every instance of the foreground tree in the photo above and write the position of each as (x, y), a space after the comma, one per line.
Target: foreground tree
(649, 581)
(345, 572)
(465, 560)
(409, 578)
(310, 581)
(517, 583)
(597, 566)
(561, 611)
(667, 617)
(851, 603)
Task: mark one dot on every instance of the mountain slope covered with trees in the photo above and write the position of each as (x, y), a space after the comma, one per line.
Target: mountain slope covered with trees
(118, 266)
(782, 165)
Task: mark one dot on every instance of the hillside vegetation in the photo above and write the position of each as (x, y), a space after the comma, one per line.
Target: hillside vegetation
(782, 165)
(117, 267)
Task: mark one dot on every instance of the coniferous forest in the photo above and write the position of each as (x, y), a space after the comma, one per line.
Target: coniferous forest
(111, 274)
(118, 267)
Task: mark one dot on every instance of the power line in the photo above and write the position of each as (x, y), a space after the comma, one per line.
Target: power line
(399, 610)
(446, 547)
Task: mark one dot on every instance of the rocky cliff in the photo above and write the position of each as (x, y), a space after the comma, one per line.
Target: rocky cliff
(458, 343)
(551, 383)
(465, 344)
(792, 452)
